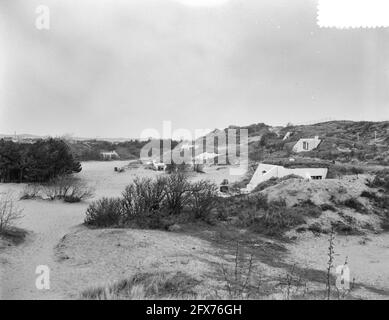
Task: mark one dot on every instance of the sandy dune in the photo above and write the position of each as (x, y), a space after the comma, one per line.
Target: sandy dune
(118, 254)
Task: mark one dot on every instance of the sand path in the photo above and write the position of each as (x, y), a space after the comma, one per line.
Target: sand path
(46, 225)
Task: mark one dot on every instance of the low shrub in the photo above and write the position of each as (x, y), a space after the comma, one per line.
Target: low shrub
(67, 188)
(177, 193)
(317, 228)
(71, 199)
(9, 213)
(309, 208)
(338, 170)
(105, 212)
(381, 180)
(343, 228)
(244, 207)
(327, 206)
(156, 203)
(203, 197)
(31, 191)
(355, 204)
(278, 218)
(384, 202)
(144, 196)
(369, 195)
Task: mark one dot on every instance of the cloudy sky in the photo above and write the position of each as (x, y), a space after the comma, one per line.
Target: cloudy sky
(114, 68)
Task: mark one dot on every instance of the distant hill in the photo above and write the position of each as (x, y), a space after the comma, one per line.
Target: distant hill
(346, 141)
(340, 140)
(24, 136)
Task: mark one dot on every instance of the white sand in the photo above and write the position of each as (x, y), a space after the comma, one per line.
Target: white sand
(368, 259)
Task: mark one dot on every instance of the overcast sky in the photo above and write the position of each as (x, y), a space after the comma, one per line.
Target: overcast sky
(113, 68)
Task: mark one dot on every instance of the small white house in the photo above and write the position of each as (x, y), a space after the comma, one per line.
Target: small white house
(109, 155)
(306, 144)
(266, 171)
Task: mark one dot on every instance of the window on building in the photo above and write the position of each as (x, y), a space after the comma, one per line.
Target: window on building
(316, 177)
(305, 145)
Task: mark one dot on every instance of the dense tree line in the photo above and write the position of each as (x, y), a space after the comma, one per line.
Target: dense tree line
(91, 149)
(36, 162)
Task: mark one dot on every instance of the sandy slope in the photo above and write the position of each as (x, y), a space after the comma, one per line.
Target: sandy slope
(93, 258)
(368, 259)
(47, 223)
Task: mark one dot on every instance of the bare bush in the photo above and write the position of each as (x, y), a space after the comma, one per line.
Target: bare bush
(143, 196)
(79, 191)
(68, 188)
(293, 284)
(9, 212)
(238, 279)
(177, 192)
(158, 203)
(105, 212)
(203, 198)
(31, 191)
(331, 254)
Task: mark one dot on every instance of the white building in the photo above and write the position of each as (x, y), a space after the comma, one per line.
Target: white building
(306, 144)
(109, 155)
(266, 171)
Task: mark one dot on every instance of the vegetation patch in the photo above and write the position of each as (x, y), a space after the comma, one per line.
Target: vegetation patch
(64, 187)
(105, 212)
(37, 162)
(355, 204)
(381, 181)
(155, 203)
(342, 228)
(9, 214)
(147, 286)
(278, 218)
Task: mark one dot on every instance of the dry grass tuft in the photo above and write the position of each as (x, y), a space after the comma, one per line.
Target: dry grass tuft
(144, 286)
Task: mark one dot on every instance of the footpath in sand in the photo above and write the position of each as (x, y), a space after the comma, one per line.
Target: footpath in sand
(46, 223)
